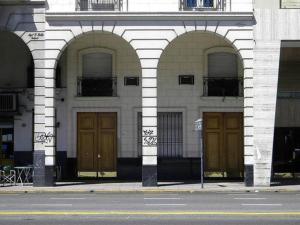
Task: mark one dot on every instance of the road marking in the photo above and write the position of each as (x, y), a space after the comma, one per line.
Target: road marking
(263, 204)
(67, 198)
(249, 198)
(52, 205)
(165, 204)
(242, 194)
(8, 194)
(145, 213)
(162, 198)
(158, 194)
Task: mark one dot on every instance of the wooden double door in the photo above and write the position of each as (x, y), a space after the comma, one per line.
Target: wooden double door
(223, 143)
(97, 144)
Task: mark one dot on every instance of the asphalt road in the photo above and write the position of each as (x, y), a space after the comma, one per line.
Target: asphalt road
(240, 208)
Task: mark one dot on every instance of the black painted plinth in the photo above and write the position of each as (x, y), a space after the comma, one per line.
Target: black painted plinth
(49, 176)
(43, 176)
(249, 178)
(39, 169)
(149, 176)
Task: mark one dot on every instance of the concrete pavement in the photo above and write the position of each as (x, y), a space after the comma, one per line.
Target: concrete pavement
(126, 186)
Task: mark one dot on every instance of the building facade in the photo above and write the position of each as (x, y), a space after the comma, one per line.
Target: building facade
(112, 88)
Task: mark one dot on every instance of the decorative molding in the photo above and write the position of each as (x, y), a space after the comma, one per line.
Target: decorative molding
(175, 16)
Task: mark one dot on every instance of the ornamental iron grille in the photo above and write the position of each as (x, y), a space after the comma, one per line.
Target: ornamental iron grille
(98, 5)
(219, 5)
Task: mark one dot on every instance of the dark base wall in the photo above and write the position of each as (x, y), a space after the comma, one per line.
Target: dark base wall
(131, 169)
(127, 168)
(285, 158)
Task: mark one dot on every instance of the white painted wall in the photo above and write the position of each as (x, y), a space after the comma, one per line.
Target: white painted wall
(241, 5)
(61, 6)
(153, 6)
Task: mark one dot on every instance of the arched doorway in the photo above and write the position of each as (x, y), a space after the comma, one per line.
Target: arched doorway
(16, 103)
(200, 75)
(99, 77)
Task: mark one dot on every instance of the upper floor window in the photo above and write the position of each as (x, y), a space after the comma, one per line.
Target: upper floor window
(97, 75)
(203, 4)
(290, 4)
(98, 5)
(222, 79)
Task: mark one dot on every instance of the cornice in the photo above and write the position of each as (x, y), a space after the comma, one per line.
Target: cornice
(173, 16)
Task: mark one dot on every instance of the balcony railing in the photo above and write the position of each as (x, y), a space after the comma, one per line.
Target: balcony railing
(223, 86)
(98, 5)
(96, 86)
(203, 5)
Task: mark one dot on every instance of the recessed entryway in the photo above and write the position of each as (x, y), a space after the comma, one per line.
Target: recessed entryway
(97, 144)
(223, 143)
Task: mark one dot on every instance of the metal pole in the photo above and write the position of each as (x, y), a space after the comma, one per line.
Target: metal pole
(201, 155)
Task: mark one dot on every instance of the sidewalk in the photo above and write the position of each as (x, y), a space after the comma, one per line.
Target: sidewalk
(126, 186)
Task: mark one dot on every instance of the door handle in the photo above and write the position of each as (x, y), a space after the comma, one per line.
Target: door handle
(99, 156)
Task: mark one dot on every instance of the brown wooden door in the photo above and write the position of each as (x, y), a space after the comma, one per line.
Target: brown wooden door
(223, 143)
(97, 143)
(107, 142)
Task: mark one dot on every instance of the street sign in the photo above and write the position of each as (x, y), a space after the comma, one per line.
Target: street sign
(198, 124)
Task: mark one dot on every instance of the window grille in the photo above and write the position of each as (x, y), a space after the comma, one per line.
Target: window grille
(170, 135)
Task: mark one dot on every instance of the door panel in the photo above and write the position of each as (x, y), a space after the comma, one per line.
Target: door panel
(86, 142)
(108, 121)
(232, 146)
(233, 132)
(86, 148)
(213, 143)
(107, 160)
(223, 141)
(97, 141)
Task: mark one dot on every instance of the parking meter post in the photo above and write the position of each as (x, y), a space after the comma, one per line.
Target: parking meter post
(201, 155)
(198, 129)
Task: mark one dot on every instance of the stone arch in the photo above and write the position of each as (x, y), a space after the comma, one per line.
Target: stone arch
(241, 51)
(71, 37)
(28, 54)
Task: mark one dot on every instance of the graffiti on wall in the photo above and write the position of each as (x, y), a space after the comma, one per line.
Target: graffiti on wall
(43, 137)
(149, 139)
(36, 35)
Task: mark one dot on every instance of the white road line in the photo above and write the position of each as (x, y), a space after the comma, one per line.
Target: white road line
(164, 194)
(55, 205)
(243, 194)
(8, 194)
(249, 198)
(263, 204)
(67, 198)
(162, 198)
(166, 204)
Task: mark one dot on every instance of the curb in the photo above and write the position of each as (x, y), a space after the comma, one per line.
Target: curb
(49, 190)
